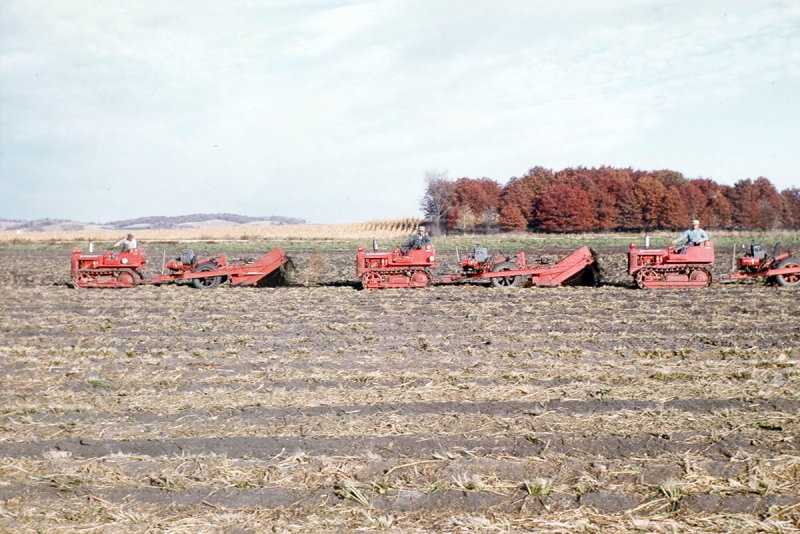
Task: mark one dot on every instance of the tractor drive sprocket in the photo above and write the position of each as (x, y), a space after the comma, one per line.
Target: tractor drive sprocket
(679, 277)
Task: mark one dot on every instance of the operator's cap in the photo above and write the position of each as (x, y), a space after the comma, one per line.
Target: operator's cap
(695, 221)
(421, 228)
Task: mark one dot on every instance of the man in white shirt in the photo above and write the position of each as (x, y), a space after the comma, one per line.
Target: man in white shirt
(127, 244)
(694, 237)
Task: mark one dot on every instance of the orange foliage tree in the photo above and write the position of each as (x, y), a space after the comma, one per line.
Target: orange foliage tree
(520, 196)
(611, 185)
(516, 205)
(791, 207)
(564, 209)
(674, 214)
(755, 204)
(478, 197)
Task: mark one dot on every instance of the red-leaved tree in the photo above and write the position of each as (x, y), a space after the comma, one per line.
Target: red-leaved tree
(564, 209)
(612, 184)
(516, 205)
(755, 204)
(791, 208)
(481, 197)
(673, 210)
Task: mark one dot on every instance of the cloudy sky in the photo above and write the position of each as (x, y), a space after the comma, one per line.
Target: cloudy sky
(334, 110)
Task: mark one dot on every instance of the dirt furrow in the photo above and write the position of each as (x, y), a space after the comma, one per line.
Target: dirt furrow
(410, 446)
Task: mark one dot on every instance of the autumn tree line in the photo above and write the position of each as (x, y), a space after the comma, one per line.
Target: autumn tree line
(605, 199)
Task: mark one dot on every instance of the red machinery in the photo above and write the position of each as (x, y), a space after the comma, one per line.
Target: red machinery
(126, 269)
(108, 269)
(781, 266)
(512, 270)
(668, 268)
(379, 270)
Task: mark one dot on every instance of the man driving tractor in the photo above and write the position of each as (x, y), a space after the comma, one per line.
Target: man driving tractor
(416, 241)
(694, 237)
(127, 244)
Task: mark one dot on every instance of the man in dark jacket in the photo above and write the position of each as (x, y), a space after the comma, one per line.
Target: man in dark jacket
(416, 241)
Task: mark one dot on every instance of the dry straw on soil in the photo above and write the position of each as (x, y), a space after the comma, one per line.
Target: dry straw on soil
(453, 409)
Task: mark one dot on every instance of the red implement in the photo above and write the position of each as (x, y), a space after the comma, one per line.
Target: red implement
(511, 271)
(782, 267)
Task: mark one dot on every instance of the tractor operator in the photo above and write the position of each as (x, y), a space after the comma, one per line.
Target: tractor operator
(694, 237)
(416, 241)
(127, 244)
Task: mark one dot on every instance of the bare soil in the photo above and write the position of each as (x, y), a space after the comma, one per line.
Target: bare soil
(322, 407)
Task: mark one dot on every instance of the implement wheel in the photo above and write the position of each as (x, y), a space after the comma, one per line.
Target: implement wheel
(506, 281)
(788, 280)
(206, 283)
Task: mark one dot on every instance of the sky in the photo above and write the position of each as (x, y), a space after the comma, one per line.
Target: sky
(334, 111)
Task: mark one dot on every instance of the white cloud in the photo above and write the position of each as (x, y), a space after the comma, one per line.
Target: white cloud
(290, 108)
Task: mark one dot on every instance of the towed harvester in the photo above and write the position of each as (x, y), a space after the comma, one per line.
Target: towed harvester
(126, 269)
(782, 267)
(396, 269)
(691, 267)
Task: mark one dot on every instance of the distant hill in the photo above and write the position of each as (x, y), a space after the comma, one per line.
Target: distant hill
(201, 219)
(48, 225)
(198, 220)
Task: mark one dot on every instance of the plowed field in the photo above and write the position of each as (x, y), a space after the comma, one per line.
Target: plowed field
(321, 407)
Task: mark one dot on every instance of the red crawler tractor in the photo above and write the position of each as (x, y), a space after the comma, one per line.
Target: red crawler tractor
(668, 268)
(108, 269)
(126, 269)
(379, 270)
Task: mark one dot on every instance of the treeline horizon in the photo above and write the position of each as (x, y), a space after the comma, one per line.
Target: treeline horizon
(580, 199)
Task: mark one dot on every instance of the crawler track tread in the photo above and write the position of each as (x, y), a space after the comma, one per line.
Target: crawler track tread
(386, 273)
(657, 277)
